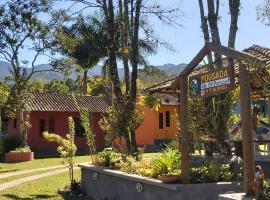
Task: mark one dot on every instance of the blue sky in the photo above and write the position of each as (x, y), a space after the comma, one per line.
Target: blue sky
(188, 40)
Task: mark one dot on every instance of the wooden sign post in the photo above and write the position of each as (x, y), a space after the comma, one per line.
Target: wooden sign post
(211, 83)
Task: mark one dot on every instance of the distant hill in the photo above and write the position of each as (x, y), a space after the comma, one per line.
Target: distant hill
(4, 69)
(150, 75)
(166, 70)
(172, 69)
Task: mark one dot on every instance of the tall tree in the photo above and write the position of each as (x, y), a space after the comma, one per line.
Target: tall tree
(263, 12)
(220, 105)
(124, 21)
(21, 28)
(83, 41)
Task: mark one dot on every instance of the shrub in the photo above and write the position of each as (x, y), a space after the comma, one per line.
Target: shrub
(21, 150)
(214, 171)
(107, 158)
(266, 191)
(11, 143)
(168, 163)
(66, 148)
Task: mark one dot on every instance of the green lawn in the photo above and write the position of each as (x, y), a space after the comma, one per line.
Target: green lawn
(45, 188)
(37, 163)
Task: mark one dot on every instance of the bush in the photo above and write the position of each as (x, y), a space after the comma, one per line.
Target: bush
(21, 150)
(107, 158)
(168, 163)
(266, 191)
(215, 170)
(11, 143)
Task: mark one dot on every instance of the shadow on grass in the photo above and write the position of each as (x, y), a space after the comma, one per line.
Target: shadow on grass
(38, 196)
(12, 170)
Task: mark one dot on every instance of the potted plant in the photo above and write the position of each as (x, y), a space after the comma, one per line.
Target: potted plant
(167, 165)
(19, 154)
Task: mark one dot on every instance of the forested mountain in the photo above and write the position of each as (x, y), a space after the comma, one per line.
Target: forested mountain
(155, 72)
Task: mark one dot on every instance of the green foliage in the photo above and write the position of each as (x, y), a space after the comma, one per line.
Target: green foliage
(21, 150)
(36, 85)
(266, 191)
(168, 163)
(56, 86)
(215, 170)
(99, 86)
(151, 75)
(263, 12)
(84, 42)
(114, 123)
(4, 93)
(107, 158)
(11, 142)
(86, 124)
(150, 101)
(212, 116)
(67, 148)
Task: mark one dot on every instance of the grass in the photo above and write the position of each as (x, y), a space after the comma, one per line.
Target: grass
(37, 163)
(45, 188)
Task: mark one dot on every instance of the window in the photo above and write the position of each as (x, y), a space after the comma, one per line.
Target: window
(15, 123)
(51, 124)
(160, 120)
(168, 119)
(79, 130)
(41, 126)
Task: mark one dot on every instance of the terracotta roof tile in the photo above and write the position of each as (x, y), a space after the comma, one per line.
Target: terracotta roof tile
(64, 103)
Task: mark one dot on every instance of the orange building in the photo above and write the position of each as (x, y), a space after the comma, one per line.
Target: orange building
(159, 126)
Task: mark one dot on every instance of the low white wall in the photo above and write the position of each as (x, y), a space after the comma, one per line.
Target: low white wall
(100, 183)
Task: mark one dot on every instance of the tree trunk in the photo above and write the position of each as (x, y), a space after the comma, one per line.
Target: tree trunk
(205, 31)
(134, 61)
(234, 12)
(85, 82)
(124, 18)
(213, 23)
(23, 132)
(113, 70)
(0, 120)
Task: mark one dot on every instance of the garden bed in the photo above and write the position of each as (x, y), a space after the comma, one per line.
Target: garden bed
(19, 156)
(99, 183)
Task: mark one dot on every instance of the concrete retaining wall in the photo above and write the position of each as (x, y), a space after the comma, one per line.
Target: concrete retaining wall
(100, 183)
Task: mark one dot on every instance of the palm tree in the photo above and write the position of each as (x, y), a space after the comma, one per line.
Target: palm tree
(84, 42)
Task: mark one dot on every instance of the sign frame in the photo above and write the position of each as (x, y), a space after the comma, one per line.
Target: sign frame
(211, 83)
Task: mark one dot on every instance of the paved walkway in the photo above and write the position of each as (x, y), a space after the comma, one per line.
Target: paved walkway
(9, 174)
(14, 183)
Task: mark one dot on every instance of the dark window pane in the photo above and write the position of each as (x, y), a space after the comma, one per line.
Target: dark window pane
(79, 130)
(168, 119)
(41, 126)
(160, 120)
(15, 123)
(51, 124)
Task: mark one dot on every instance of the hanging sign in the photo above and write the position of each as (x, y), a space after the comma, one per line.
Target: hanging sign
(211, 83)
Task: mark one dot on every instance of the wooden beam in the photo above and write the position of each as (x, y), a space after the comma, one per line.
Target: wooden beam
(247, 137)
(212, 47)
(188, 69)
(229, 52)
(184, 139)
